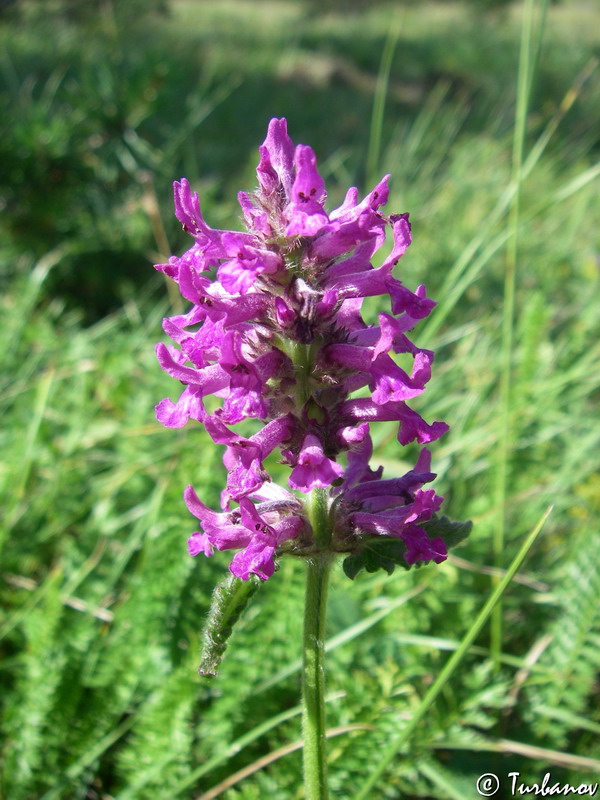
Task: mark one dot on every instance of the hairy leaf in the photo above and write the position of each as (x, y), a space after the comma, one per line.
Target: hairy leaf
(452, 532)
(229, 600)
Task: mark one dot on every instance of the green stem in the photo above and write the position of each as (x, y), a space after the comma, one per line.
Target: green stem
(302, 357)
(317, 508)
(505, 433)
(317, 582)
(313, 677)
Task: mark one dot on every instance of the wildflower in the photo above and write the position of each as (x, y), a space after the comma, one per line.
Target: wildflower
(275, 331)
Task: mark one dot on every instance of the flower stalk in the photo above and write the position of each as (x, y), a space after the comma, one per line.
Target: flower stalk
(318, 570)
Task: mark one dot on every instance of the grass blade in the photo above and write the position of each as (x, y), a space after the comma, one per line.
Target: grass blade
(379, 99)
(524, 84)
(452, 663)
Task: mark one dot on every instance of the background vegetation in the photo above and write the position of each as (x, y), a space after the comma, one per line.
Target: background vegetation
(103, 105)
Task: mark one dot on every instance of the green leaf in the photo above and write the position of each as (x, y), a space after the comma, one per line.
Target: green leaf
(229, 600)
(352, 565)
(381, 552)
(451, 532)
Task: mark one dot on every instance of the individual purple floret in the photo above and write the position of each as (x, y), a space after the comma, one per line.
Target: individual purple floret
(275, 332)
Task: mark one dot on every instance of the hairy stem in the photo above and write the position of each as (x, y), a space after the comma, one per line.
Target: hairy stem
(313, 677)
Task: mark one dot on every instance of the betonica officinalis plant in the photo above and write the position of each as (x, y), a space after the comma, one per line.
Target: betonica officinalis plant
(275, 332)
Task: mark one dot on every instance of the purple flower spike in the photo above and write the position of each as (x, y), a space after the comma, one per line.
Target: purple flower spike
(246, 262)
(419, 547)
(314, 469)
(276, 159)
(275, 333)
(305, 213)
(257, 558)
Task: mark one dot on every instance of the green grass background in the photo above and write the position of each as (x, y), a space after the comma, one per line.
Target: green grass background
(487, 118)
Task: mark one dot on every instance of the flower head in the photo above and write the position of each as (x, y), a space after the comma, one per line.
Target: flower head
(276, 332)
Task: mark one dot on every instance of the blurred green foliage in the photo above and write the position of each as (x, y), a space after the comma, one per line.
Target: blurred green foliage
(101, 109)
